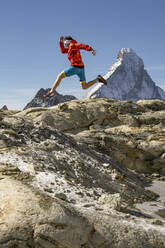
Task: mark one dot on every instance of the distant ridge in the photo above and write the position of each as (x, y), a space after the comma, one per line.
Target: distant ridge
(40, 101)
(4, 108)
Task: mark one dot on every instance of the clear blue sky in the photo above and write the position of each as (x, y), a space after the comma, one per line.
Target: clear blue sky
(30, 30)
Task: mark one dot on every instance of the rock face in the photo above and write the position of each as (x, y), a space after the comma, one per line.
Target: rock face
(40, 101)
(133, 134)
(128, 80)
(65, 175)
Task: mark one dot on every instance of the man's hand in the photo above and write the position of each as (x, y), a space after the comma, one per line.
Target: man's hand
(61, 38)
(93, 52)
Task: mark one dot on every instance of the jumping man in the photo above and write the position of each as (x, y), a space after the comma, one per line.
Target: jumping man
(72, 48)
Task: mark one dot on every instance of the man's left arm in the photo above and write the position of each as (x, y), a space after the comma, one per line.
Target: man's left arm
(86, 47)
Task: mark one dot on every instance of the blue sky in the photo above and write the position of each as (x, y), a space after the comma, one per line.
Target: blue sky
(29, 48)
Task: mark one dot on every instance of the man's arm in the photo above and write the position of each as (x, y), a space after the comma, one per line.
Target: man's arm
(63, 49)
(86, 47)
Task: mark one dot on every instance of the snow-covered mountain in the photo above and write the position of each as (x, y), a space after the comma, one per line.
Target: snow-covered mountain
(40, 101)
(127, 80)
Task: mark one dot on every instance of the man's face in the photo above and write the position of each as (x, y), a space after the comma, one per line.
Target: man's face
(67, 43)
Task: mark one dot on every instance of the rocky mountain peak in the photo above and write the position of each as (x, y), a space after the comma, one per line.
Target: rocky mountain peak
(129, 58)
(125, 52)
(128, 80)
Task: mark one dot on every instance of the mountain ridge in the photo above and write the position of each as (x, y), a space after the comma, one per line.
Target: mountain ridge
(40, 101)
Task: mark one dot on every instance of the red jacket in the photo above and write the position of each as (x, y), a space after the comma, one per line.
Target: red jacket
(73, 52)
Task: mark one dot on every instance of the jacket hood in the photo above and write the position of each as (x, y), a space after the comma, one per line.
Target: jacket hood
(73, 41)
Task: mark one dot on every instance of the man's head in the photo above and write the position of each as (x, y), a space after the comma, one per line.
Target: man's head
(67, 40)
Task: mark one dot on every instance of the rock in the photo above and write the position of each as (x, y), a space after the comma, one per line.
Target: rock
(113, 201)
(161, 212)
(155, 175)
(66, 184)
(61, 196)
(156, 105)
(162, 171)
(162, 178)
(130, 133)
(25, 212)
(157, 222)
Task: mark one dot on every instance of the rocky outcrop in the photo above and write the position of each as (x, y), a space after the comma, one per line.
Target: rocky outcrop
(128, 80)
(133, 134)
(65, 175)
(40, 101)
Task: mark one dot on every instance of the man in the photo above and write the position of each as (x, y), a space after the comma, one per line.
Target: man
(72, 48)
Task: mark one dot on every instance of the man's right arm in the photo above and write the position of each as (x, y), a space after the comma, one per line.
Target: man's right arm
(63, 49)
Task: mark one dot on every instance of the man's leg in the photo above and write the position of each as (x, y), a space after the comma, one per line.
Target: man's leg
(55, 84)
(58, 81)
(99, 79)
(86, 85)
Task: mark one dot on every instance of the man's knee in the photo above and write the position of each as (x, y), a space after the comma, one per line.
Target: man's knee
(61, 75)
(84, 86)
